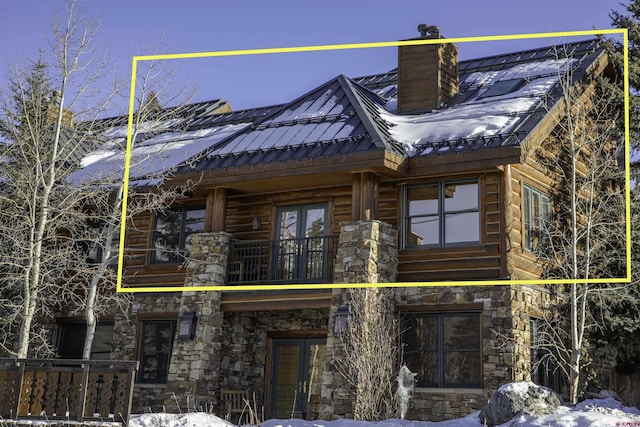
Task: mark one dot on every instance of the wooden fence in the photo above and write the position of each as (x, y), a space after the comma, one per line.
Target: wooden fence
(78, 390)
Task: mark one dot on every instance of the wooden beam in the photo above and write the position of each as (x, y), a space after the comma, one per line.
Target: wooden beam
(355, 196)
(369, 198)
(208, 214)
(365, 195)
(220, 209)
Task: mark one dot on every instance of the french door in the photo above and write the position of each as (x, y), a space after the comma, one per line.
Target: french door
(296, 377)
(300, 246)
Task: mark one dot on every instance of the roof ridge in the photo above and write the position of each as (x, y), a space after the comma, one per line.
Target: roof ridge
(370, 117)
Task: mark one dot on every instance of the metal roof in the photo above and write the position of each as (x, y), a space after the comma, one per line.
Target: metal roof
(345, 116)
(338, 117)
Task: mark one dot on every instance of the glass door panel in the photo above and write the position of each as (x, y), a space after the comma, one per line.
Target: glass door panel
(300, 249)
(296, 377)
(287, 368)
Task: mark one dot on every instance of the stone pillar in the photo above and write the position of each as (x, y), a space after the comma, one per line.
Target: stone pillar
(367, 253)
(193, 372)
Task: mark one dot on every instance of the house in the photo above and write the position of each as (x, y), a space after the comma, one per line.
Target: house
(419, 174)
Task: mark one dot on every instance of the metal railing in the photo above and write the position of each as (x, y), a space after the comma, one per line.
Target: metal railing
(300, 260)
(65, 389)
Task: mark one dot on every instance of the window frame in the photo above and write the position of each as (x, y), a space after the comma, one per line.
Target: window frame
(529, 221)
(95, 250)
(441, 350)
(142, 353)
(441, 214)
(181, 252)
(546, 373)
(81, 326)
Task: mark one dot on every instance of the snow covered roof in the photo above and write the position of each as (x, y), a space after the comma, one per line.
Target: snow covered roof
(500, 101)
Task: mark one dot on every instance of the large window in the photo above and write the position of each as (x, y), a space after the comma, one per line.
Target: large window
(444, 349)
(71, 340)
(170, 232)
(440, 214)
(536, 214)
(155, 350)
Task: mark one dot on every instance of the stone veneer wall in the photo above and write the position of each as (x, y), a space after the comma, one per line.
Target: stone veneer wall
(497, 351)
(527, 302)
(146, 397)
(195, 364)
(367, 253)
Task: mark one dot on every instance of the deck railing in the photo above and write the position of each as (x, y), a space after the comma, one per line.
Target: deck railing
(300, 260)
(75, 390)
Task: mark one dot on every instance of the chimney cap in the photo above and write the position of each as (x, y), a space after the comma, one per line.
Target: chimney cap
(430, 31)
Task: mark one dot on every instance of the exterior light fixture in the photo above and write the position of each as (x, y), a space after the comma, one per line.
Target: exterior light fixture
(341, 320)
(256, 223)
(187, 325)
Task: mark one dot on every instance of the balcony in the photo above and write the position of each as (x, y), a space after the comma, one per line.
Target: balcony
(296, 260)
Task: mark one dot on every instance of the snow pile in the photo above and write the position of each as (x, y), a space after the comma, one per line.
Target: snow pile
(590, 413)
(192, 419)
(479, 116)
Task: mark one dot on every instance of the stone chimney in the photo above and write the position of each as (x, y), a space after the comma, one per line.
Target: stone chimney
(427, 74)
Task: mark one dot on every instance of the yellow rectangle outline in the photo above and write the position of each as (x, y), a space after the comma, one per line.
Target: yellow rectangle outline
(627, 279)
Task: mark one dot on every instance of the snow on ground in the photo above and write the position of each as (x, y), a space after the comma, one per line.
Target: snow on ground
(590, 413)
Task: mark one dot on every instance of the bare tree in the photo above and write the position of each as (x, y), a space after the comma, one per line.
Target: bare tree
(152, 83)
(584, 238)
(370, 359)
(59, 222)
(41, 149)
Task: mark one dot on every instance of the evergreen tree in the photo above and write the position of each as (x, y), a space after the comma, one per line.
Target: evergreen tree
(631, 21)
(621, 319)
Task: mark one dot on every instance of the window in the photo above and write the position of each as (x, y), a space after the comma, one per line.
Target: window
(544, 370)
(536, 213)
(301, 248)
(96, 244)
(155, 350)
(444, 349)
(503, 87)
(440, 214)
(71, 340)
(170, 232)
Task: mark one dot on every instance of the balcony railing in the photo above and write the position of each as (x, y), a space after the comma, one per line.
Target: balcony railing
(301, 260)
(78, 390)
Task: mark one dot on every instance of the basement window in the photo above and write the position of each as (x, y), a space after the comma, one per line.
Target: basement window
(155, 350)
(503, 87)
(444, 349)
(72, 336)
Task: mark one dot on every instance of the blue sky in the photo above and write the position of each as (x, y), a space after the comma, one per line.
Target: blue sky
(201, 25)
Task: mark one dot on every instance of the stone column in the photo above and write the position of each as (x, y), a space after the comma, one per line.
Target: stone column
(367, 253)
(193, 372)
